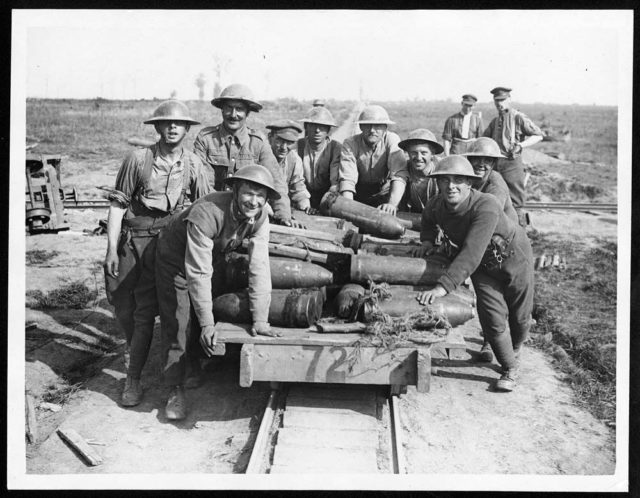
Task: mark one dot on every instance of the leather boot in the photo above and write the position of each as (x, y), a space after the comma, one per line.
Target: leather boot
(507, 382)
(486, 355)
(176, 408)
(132, 392)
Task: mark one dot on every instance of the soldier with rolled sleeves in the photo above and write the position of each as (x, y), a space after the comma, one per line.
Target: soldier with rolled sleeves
(190, 272)
(320, 154)
(229, 146)
(513, 131)
(472, 230)
(422, 147)
(151, 186)
(463, 127)
(283, 136)
(373, 168)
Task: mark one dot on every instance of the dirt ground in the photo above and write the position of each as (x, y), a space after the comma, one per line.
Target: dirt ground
(74, 359)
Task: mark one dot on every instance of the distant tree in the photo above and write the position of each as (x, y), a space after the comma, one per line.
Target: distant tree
(220, 65)
(201, 81)
(174, 94)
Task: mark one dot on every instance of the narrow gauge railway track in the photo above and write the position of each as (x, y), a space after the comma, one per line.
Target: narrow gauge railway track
(313, 429)
(573, 206)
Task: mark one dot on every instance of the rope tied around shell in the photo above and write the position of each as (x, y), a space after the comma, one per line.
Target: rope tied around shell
(388, 331)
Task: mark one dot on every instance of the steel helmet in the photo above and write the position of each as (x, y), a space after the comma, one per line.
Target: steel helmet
(319, 115)
(421, 135)
(374, 114)
(256, 174)
(484, 147)
(455, 165)
(318, 103)
(237, 91)
(171, 110)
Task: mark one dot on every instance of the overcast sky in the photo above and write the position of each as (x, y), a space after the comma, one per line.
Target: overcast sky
(545, 56)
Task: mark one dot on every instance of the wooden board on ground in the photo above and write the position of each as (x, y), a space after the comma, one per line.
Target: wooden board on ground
(346, 405)
(326, 438)
(80, 445)
(314, 419)
(322, 461)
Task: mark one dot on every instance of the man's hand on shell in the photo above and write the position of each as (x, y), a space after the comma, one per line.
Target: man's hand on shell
(427, 297)
(388, 208)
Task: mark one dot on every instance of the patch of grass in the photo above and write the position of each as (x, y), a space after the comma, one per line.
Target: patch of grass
(575, 311)
(60, 393)
(39, 256)
(74, 295)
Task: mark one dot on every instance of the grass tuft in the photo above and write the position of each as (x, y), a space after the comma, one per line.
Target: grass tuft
(75, 295)
(40, 256)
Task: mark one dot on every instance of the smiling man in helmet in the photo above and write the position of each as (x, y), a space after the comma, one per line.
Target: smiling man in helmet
(151, 186)
(320, 154)
(373, 168)
(283, 136)
(422, 147)
(512, 130)
(229, 146)
(190, 272)
(471, 229)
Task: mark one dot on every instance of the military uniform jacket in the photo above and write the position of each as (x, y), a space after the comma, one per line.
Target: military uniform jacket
(496, 186)
(420, 188)
(470, 226)
(224, 153)
(146, 182)
(208, 229)
(361, 164)
(510, 128)
(453, 127)
(294, 177)
(320, 167)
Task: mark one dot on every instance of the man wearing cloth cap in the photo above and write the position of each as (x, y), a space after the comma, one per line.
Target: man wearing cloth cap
(463, 127)
(151, 186)
(229, 146)
(373, 168)
(320, 154)
(190, 267)
(471, 229)
(512, 130)
(283, 136)
(422, 148)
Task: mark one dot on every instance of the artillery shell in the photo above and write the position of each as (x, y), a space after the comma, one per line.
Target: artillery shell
(289, 307)
(367, 218)
(395, 270)
(285, 273)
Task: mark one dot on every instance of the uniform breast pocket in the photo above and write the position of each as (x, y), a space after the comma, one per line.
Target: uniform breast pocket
(217, 159)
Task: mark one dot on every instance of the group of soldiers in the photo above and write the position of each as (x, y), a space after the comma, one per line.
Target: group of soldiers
(167, 259)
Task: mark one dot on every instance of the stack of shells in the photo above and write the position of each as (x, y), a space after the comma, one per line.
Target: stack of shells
(322, 270)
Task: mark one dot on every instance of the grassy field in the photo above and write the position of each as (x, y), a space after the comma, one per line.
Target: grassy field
(575, 309)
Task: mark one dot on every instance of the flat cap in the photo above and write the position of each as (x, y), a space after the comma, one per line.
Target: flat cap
(286, 128)
(501, 93)
(469, 98)
(318, 103)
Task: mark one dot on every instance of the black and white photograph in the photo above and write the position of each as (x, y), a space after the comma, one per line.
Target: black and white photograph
(320, 249)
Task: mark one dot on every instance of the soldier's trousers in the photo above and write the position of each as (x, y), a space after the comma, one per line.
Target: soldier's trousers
(134, 300)
(505, 296)
(512, 170)
(180, 330)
